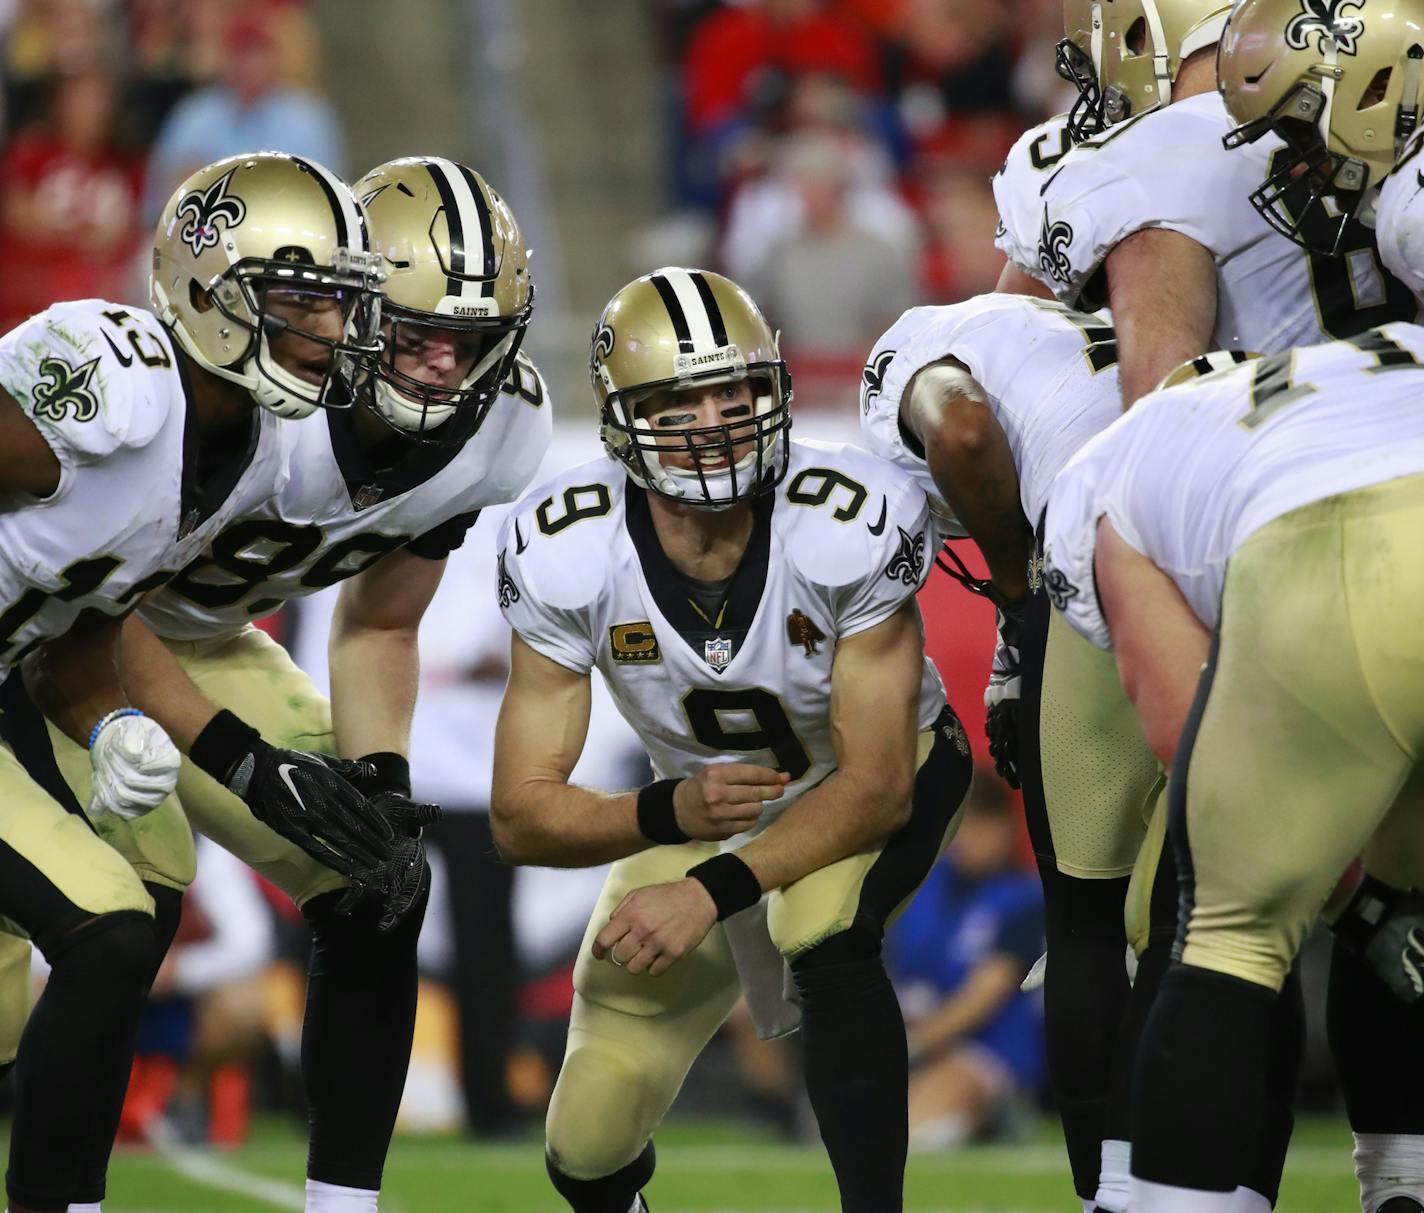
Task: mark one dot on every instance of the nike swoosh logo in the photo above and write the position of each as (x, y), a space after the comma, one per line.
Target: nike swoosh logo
(126, 359)
(285, 770)
(519, 543)
(878, 527)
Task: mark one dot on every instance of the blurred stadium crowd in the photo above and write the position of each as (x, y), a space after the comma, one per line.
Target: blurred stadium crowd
(834, 156)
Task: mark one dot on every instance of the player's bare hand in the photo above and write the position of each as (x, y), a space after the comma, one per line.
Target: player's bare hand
(725, 798)
(656, 926)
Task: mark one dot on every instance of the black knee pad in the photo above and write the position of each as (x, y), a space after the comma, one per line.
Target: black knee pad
(109, 949)
(609, 1193)
(845, 967)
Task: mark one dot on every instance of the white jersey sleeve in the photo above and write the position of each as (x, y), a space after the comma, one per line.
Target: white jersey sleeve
(79, 378)
(1017, 187)
(1399, 219)
(869, 566)
(547, 589)
(1145, 173)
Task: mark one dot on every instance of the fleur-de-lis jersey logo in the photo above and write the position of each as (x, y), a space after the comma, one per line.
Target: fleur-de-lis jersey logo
(66, 385)
(208, 212)
(908, 563)
(1053, 241)
(1060, 589)
(1321, 19)
(872, 379)
(508, 591)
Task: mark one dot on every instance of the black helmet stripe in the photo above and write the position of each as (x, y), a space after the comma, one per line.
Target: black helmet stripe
(714, 312)
(482, 210)
(454, 225)
(675, 313)
(345, 228)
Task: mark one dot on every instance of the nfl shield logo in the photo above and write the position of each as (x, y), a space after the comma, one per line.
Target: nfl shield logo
(718, 653)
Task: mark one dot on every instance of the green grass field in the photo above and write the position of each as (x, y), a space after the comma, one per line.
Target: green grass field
(701, 1168)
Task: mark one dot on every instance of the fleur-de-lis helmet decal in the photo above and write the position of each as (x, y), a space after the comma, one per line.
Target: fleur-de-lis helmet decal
(1327, 19)
(208, 211)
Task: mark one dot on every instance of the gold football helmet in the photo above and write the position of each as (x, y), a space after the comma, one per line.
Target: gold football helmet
(246, 232)
(455, 261)
(1339, 81)
(676, 329)
(1123, 56)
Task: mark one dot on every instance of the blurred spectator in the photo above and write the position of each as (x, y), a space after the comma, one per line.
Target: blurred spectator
(45, 37)
(69, 194)
(957, 956)
(837, 267)
(251, 108)
(960, 216)
(739, 74)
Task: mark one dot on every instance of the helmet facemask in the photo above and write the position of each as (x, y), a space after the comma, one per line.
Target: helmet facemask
(431, 414)
(1076, 66)
(727, 462)
(264, 297)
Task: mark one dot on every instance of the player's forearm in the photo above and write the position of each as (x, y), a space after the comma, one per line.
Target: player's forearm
(157, 683)
(1162, 287)
(74, 680)
(1015, 281)
(973, 466)
(850, 811)
(550, 823)
(375, 675)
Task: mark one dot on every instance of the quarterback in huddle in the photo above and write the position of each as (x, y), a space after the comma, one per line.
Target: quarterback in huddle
(749, 600)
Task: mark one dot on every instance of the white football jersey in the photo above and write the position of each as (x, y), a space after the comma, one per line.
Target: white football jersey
(836, 549)
(1399, 218)
(338, 515)
(102, 383)
(1191, 472)
(1027, 167)
(1167, 168)
(1050, 375)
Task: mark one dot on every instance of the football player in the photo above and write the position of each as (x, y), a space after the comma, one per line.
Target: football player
(1030, 162)
(1152, 215)
(1303, 475)
(749, 601)
(129, 439)
(454, 418)
(982, 403)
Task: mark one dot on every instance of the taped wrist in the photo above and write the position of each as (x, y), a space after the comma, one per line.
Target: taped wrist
(392, 772)
(224, 742)
(732, 885)
(657, 816)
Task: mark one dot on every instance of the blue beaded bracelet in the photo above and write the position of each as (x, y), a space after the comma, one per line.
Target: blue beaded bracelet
(114, 715)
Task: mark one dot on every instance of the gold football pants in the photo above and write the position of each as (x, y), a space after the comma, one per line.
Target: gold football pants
(1307, 727)
(632, 1037)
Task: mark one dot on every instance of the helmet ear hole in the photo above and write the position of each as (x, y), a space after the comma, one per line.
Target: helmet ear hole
(1136, 40)
(1377, 90)
(199, 300)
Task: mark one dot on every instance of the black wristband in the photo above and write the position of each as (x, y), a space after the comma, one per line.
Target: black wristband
(224, 742)
(392, 772)
(732, 885)
(657, 818)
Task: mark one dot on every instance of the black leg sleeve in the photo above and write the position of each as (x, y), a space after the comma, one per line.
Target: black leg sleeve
(92, 1156)
(1283, 1064)
(75, 1055)
(1085, 994)
(857, 1067)
(1378, 1045)
(1201, 1081)
(356, 1038)
(609, 1194)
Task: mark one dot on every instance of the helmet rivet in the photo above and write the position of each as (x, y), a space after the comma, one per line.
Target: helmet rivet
(224, 333)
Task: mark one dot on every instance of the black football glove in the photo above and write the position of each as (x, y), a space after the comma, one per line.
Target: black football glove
(1385, 928)
(400, 882)
(307, 798)
(1001, 696)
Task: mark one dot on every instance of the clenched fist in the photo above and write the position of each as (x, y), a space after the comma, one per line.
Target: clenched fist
(725, 798)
